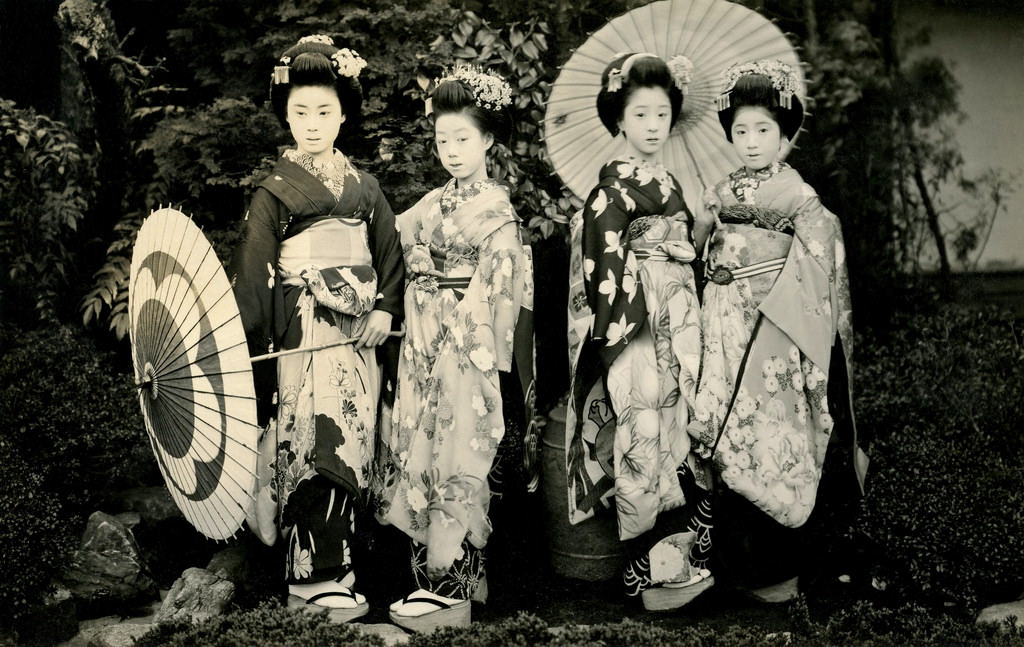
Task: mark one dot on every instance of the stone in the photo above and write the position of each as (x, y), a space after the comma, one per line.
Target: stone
(389, 633)
(197, 595)
(1000, 613)
(119, 635)
(152, 503)
(107, 567)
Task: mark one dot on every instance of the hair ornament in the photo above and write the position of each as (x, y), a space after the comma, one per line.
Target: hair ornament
(490, 90)
(323, 39)
(345, 61)
(617, 75)
(681, 69)
(781, 75)
(348, 62)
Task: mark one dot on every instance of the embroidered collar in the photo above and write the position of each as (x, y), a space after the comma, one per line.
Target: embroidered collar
(453, 196)
(744, 182)
(332, 173)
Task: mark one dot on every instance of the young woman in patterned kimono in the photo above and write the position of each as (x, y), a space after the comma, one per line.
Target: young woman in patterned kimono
(634, 343)
(320, 263)
(774, 389)
(459, 400)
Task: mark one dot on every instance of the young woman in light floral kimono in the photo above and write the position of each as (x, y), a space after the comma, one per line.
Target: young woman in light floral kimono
(774, 388)
(468, 277)
(320, 264)
(634, 343)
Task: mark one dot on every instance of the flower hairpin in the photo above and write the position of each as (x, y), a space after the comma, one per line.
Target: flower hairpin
(490, 91)
(348, 62)
(345, 61)
(782, 76)
(681, 69)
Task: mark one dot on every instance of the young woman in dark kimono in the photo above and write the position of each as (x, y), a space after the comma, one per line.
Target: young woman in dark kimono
(635, 340)
(320, 263)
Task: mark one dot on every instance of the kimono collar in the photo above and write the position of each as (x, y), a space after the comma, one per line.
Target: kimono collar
(453, 196)
(331, 173)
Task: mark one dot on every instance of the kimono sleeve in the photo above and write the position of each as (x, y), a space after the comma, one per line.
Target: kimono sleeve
(386, 247)
(507, 273)
(253, 270)
(610, 273)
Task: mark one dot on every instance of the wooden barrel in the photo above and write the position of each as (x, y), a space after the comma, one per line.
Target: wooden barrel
(589, 550)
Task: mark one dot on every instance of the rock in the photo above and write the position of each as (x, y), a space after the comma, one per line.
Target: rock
(107, 568)
(119, 635)
(152, 503)
(197, 595)
(230, 563)
(999, 613)
(389, 633)
(129, 519)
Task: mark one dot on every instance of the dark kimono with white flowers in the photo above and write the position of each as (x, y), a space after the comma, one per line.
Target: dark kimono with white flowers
(634, 345)
(321, 251)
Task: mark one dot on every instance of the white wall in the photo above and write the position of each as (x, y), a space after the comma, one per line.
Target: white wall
(986, 46)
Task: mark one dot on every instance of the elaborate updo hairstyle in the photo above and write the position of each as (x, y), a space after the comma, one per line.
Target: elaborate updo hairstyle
(626, 74)
(315, 61)
(482, 96)
(767, 84)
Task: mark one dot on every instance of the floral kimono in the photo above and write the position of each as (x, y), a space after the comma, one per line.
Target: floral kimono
(776, 313)
(320, 252)
(634, 349)
(468, 277)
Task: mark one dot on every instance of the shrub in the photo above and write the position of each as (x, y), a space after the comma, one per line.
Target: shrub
(33, 533)
(269, 625)
(942, 395)
(45, 189)
(73, 416)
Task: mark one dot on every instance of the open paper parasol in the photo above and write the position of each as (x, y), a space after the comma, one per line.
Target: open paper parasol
(713, 34)
(193, 373)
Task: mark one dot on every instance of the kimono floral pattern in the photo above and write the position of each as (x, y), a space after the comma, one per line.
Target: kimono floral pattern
(308, 229)
(634, 344)
(762, 406)
(468, 276)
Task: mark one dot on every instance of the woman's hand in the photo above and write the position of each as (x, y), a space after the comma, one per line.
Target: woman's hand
(378, 325)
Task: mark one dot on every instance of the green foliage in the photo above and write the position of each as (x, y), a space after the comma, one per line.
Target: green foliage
(269, 625)
(862, 625)
(34, 533)
(940, 394)
(45, 190)
(74, 416)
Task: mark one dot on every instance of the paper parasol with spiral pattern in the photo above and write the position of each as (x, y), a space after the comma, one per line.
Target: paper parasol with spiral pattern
(193, 373)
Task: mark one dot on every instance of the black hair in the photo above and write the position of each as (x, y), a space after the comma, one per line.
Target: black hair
(756, 90)
(310, 65)
(644, 72)
(456, 96)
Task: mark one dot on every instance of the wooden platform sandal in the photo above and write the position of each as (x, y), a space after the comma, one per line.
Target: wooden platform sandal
(447, 612)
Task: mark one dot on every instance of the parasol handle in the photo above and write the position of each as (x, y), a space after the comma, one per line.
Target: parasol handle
(310, 349)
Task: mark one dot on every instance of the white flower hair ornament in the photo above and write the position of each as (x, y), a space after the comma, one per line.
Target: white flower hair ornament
(490, 90)
(680, 67)
(782, 76)
(345, 61)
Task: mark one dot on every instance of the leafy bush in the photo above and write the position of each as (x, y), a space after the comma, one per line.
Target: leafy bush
(862, 625)
(942, 396)
(34, 534)
(73, 416)
(45, 189)
(269, 625)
